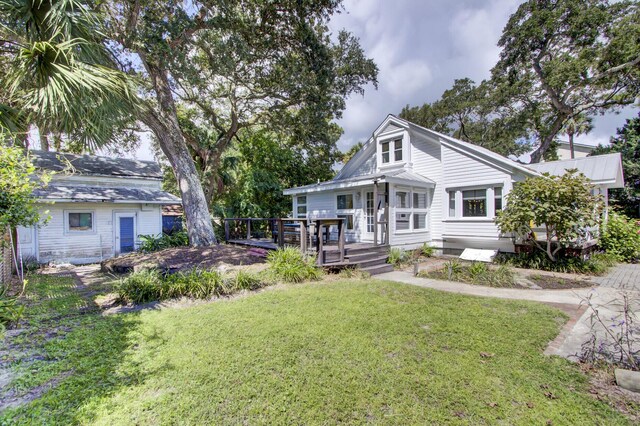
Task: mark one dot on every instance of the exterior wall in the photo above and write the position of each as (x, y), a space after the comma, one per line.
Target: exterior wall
(463, 172)
(51, 242)
(324, 204)
(579, 151)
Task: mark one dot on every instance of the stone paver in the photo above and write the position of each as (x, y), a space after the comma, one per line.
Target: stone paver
(625, 276)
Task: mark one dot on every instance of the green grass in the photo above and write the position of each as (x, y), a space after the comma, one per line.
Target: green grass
(353, 351)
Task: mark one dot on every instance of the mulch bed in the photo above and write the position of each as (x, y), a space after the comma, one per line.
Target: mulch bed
(550, 282)
(185, 258)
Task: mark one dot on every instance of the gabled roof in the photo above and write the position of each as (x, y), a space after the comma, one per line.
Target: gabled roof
(61, 193)
(605, 170)
(400, 176)
(95, 165)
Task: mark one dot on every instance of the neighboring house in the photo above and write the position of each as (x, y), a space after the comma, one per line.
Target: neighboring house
(172, 218)
(579, 150)
(98, 207)
(409, 185)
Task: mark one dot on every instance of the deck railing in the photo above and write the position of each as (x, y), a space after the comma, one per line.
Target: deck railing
(300, 231)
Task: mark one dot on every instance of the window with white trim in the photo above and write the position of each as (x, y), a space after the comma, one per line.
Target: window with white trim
(391, 151)
(345, 202)
(474, 203)
(301, 206)
(452, 203)
(385, 152)
(497, 199)
(79, 221)
(411, 209)
(397, 150)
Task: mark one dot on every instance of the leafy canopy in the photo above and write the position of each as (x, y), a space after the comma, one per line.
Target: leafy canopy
(563, 205)
(17, 184)
(626, 142)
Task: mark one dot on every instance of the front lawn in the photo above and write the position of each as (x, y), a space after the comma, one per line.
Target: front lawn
(358, 351)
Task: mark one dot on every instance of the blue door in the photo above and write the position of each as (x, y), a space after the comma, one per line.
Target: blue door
(127, 238)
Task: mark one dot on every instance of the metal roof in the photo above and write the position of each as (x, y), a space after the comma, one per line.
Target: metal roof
(397, 176)
(94, 194)
(605, 170)
(94, 165)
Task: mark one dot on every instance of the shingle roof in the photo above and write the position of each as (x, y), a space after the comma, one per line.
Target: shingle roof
(601, 169)
(95, 165)
(101, 194)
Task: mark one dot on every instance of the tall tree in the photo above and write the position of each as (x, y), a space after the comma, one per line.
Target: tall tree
(237, 64)
(564, 58)
(58, 75)
(346, 156)
(626, 142)
(468, 112)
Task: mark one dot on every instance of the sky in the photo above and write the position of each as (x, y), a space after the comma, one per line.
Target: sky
(421, 47)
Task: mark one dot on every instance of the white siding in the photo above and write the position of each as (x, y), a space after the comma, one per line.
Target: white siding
(55, 244)
(324, 205)
(463, 171)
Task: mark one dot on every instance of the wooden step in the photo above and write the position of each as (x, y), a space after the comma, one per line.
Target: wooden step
(378, 269)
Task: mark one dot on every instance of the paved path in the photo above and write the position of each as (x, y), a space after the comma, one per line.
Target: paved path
(625, 276)
(605, 297)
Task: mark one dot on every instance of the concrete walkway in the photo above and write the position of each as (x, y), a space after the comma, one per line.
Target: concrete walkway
(605, 297)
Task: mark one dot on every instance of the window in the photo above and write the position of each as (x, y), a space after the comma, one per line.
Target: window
(402, 200)
(402, 221)
(474, 203)
(345, 202)
(419, 200)
(79, 221)
(301, 206)
(497, 196)
(452, 203)
(385, 152)
(348, 221)
(419, 221)
(397, 150)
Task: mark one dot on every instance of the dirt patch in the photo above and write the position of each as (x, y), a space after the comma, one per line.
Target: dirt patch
(184, 258)
(551, 282)
(604, 388)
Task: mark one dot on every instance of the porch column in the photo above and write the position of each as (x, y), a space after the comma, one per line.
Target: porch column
(387, 214)
(375, 212)
(341, 238)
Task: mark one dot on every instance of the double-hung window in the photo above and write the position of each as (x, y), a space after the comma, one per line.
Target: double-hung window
(411, 209)
(345, 209)
(497, 199)
(301, 206)
(392, 151)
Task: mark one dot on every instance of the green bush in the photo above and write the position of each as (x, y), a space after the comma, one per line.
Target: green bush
(621, 237)
(140, 287)
(10, 309)
(291, 265)
(151, 243)
(397, 256)
(245, 281)
(597, 265)
(197, 283)
(426, 250)
(476, 273)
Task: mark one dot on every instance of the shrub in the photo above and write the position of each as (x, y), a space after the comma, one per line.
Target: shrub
(10, 309)
(243, 280)
(597, 265)
(151, 243)
(140, 287)
(476, 273)
(426, 250)
(291, 265)
(197, 283)
(621, 237)
(397, 256)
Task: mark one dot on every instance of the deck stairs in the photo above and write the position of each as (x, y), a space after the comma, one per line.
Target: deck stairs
(371, 259)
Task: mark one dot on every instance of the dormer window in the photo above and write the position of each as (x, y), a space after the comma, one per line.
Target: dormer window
(387, 147)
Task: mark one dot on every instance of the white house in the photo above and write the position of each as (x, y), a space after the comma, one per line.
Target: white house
(409, 185)
(98, 207)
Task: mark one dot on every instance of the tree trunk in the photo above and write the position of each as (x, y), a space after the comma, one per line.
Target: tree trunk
(538, 154)
(44, 140)
(571, 145)
(164, 124)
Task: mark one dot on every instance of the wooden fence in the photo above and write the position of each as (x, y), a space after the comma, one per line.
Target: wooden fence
(6, 260)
